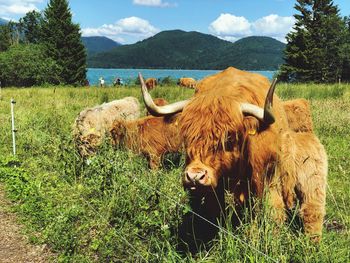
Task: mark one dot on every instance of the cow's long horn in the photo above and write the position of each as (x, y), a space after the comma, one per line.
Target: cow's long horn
(159, 110)
(264, 115)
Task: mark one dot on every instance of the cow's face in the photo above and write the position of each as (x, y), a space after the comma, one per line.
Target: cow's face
(213, 138)
(204, 169)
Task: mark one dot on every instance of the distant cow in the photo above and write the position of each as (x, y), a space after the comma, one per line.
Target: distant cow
(92, 124)
(187, 82)
(298, 115)
(150, 136)
(151, 83)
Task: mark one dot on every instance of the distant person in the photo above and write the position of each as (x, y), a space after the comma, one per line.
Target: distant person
(86, 83)
(102, 82)
(117, 82)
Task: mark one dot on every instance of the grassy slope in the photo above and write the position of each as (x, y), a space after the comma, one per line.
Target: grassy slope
(112, 210)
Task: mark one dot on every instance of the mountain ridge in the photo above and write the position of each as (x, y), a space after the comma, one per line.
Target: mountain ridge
(96, 44)
(177, 49)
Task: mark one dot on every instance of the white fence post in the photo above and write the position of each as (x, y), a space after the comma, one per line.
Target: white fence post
(13, 102)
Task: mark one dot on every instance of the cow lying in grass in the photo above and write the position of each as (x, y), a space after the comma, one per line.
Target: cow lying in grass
(150, 136)
(92, 124)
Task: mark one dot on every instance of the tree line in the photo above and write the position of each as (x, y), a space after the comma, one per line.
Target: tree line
(42, 48)
(47, 48)
(318, 47)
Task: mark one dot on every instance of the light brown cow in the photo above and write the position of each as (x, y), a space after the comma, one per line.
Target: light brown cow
(303, 169)
(92, 124)
(151, 83)
(231, 131)
(298, 115)
(150, 136)
(187, 82)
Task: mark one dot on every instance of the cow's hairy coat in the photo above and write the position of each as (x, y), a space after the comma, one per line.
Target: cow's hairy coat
(298, 115)
(150, 136)
(221, 142)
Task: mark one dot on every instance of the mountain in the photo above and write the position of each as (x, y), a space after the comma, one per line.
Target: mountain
(97, 44)
(178, 49)
(253, 53)
(3, 21)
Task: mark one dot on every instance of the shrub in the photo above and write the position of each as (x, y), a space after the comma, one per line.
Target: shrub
(27, 65)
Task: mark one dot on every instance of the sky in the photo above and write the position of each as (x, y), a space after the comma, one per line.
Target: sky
(129, 21)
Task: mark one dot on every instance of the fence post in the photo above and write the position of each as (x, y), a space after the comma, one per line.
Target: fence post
(13, 102)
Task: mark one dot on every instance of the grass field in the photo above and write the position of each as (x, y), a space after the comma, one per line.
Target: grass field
(116, 210)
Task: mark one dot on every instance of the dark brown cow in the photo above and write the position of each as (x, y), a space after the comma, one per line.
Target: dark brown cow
(231, 131)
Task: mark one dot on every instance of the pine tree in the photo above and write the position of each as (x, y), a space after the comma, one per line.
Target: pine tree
(346, 52)
(63, 42)
(30, 27)
(313, 51)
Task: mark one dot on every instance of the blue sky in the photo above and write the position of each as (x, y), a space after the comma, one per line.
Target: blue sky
(128, 21)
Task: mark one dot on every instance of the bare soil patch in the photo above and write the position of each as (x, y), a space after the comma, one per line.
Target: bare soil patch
(14, 246)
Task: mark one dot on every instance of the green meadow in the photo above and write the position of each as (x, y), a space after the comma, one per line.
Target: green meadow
(116, 210)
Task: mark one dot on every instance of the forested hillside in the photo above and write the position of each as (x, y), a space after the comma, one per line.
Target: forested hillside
(97, 44)
(193, 50)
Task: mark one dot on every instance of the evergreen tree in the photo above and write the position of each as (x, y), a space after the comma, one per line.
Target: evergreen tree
(63, 42)
(30, 27)
(346, 51)
(314, 47)
(5, 37)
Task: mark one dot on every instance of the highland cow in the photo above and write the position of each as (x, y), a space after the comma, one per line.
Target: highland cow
(151, 83)
(231, 131)
(149, 136)
(298, 115)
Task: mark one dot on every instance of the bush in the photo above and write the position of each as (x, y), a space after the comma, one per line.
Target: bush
(27, 65)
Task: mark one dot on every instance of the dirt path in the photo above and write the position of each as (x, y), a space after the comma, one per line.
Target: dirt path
(14, 247)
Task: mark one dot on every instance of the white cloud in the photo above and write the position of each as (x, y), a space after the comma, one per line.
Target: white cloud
(18, 7)
(274, 25)
(231, 27)
(133, 28)
(154, 3)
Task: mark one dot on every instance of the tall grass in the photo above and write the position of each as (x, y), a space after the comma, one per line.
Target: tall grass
(116, 210)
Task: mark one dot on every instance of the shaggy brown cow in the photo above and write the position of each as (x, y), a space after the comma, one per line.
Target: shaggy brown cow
(231, 131)
(92, 124)
(187, 82)
(303, 169)
(151, 83)
(150, 136)
(298, 115)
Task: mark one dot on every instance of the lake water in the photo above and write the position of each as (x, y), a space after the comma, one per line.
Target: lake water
(129, 75)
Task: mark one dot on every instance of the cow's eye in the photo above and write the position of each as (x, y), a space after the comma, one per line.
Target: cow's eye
(231, 140)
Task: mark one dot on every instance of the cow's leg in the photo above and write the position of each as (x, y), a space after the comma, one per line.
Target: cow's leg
(312, 209)
(154, 162)
(276, 202)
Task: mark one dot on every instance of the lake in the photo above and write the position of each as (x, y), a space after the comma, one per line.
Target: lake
(129, 75)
